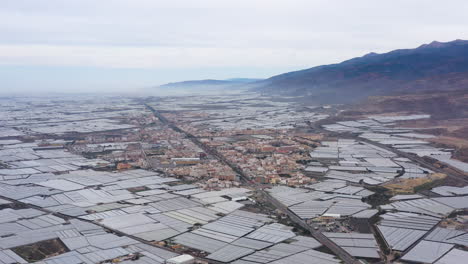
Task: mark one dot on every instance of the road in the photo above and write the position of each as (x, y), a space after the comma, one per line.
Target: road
(341, 253)
(450, 171)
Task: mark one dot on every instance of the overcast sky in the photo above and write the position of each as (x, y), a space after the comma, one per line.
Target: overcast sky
(118, 45)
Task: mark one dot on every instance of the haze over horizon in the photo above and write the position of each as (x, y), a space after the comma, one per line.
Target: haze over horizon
(115, 46)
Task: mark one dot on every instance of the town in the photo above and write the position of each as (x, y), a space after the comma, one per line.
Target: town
(239, 178)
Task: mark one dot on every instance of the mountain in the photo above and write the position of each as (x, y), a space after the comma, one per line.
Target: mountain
(209, 83)
(431, 67)
(243, 80)
(208, 86)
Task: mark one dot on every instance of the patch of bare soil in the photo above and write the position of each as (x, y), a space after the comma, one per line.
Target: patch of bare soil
(41, 250)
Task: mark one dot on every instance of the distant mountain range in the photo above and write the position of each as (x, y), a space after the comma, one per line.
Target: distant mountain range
(434, 67)
(209, 83)
(431, 67)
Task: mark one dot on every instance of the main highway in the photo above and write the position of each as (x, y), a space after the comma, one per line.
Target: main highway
(341, 253)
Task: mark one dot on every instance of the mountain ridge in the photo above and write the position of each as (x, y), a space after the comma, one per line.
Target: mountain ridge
(437, 65)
